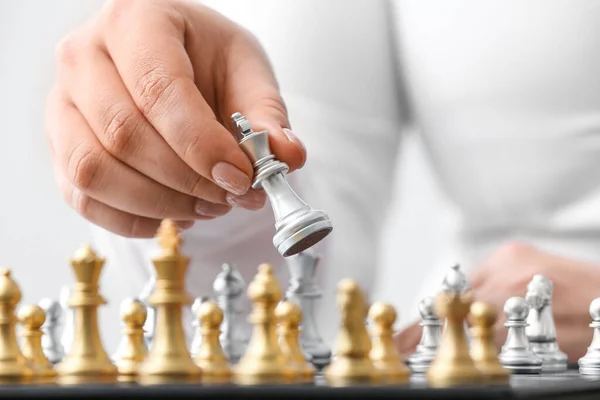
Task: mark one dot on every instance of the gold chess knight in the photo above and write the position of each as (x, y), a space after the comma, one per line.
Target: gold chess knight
(86, 360)
(298, 226)
(169, 359)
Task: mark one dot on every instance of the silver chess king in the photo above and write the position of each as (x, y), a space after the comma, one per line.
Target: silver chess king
(298, 226)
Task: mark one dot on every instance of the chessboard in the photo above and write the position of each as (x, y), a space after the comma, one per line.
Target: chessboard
(566, 385)
(283, 357)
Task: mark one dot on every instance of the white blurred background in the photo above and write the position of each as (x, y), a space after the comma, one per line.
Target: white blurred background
(38, 231)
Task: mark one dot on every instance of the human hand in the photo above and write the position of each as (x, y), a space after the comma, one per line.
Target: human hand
(138, 118)
(507, 272)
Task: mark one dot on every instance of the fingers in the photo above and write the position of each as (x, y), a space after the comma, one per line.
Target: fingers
(119, 222)
(251, 88)
(150, 57)
(407, 340)
(93, 171)
(122, 129)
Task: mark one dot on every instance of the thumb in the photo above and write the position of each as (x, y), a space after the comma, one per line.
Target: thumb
(250, 87)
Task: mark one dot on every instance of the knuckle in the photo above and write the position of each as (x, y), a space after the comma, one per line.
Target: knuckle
(192, 148)
(195, 185)
(155, 86)
(66, 50)
(82, 167)
(81, 202)
(120, 129)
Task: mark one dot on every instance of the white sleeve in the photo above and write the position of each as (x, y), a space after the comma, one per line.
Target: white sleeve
(335, 62)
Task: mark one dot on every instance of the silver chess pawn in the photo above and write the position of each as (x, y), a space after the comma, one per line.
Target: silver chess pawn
(298, 226)
(197, 338)
(122, 348)
(541, 330)
(304, 291)
(229, 287)
(150, 323)
(66, 338)
(456, 281)
(431, 336)
(516, 354)
(51, 344)
(589, 364)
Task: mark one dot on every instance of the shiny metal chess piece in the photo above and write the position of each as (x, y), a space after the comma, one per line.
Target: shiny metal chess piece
(150, 323)
(455, 280)
(51, 344)
(229, 287)
(123, 348)
(541, 331)
(66, 338)
(304, 291)
(516, 354)
(431, 337)
(589, 364)
(298, 226)
(197, 336)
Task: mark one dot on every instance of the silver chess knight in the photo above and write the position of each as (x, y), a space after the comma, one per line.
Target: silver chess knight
(542, 330)
(229, 287)
(590, 363)
(431, 336)
(298, 226)
(51, 344)
(150, 324)
(516, 354)
(304, 291)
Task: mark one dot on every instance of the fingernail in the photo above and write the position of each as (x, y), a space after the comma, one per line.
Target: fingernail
(183, 225)
(252, 200)
(294, 139)
(208, 209)
(230, 178)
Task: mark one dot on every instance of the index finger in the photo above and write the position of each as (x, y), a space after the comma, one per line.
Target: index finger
(146, 44)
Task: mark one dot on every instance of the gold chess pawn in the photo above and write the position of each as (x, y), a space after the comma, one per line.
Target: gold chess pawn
(351, 363)
(289, 316)
(384, 354)
(210, 356)
(86, 361)
(32, 317)
(263, 362)
(482, 318)
(132, 349)
(169, 359)
(14, 367)
(453, 365)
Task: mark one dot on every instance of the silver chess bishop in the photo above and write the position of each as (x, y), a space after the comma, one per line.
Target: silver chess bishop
(589, 364)
(541, 330)
(516, 354)
(431, 336)
(51, 344)
(298, 226)
(304, 291)
(229, 287)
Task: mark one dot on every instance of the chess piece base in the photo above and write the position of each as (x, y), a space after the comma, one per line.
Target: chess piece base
(262, 374)
(589, 364)
(553, 359)
(301, 230)
(420, 361)
(351, 370)
(454, 374)
(393, 371)
(88, 370)
(521, 362)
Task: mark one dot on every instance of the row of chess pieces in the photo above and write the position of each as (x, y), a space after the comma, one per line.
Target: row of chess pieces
(449, 352)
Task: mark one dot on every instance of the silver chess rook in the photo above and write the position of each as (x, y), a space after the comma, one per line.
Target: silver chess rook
(541, 330)
(298, 226)
(229, 287)
(303, 290)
